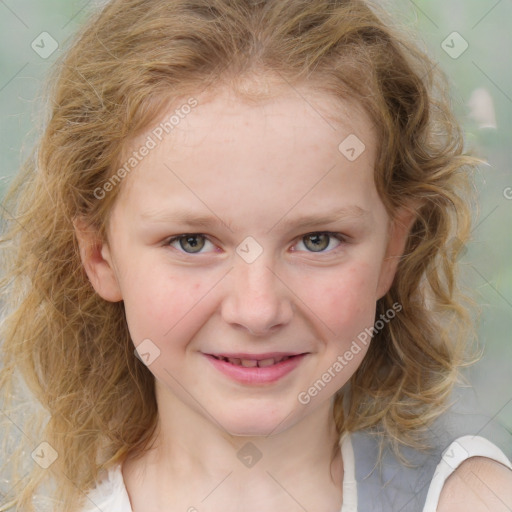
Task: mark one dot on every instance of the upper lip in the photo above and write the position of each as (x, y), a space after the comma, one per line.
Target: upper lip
(256, 357)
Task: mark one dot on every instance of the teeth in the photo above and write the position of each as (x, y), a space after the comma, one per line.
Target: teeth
(266, 362)
(252, 363)
(249, 363)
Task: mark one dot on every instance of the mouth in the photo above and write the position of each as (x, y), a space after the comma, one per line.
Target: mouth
(261, 361)
(256, 369)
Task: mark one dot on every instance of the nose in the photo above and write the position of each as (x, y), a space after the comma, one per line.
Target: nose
(256, 299)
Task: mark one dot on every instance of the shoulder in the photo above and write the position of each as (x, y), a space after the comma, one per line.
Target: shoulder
(479, 484)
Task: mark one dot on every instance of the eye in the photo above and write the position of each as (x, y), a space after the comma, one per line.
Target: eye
(190, 244)
(320, 241)
(193, 243)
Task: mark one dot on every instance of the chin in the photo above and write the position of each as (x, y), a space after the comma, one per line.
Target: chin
(257, 423)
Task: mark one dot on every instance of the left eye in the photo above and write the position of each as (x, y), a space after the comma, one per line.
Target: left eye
(319, 242)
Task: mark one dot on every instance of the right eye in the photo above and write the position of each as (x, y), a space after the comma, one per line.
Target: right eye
(189, 243)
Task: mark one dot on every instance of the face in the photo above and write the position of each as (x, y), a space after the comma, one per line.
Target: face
(250, 248)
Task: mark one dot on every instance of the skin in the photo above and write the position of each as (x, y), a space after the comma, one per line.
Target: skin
(254, 168)
(479, 485)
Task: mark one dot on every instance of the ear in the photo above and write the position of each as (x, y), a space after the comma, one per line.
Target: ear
(399, 229)
(97, 261)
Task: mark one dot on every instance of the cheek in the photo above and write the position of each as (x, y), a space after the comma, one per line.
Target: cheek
(345, 300)
(159, 305)
(346, 305)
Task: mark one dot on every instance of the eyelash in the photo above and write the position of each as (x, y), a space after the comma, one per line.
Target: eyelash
(338, 236)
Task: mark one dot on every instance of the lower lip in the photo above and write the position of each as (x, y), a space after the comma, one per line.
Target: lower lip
(256, 375)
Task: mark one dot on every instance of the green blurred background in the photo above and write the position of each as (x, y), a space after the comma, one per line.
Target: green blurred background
(481, 78)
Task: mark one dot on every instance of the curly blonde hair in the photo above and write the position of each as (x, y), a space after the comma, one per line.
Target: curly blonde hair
(73, 349)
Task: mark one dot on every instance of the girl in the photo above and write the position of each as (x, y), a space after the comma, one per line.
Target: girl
(231, 270)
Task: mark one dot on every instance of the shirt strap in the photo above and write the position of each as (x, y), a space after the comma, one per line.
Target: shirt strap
(349, 476)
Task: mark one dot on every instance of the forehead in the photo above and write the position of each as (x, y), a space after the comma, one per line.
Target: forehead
(227, 141)
(293, 106)
(261, 105)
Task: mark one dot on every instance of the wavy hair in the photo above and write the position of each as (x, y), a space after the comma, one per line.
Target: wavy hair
(73, 349)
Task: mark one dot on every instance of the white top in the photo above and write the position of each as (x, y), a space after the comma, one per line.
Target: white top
(111, 495)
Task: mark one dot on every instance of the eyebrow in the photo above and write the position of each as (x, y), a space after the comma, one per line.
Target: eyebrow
(198, 220)
(351, 212)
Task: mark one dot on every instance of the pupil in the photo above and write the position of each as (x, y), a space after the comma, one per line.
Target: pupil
(192, 242)
(320, 241)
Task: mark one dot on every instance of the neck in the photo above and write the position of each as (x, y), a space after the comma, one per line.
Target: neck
(192, 453)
